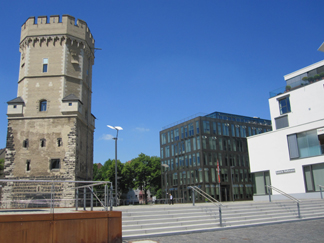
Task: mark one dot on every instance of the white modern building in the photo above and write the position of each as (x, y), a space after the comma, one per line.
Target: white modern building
(291, 156)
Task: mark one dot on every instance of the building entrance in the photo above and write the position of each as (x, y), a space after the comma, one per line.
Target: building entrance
(225, 193)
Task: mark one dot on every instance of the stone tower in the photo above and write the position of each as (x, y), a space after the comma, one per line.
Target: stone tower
(50, 125)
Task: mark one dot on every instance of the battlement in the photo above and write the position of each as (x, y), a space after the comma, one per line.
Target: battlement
(43, 26)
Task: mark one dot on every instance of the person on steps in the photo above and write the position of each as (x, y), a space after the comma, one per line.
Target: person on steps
(171, 199)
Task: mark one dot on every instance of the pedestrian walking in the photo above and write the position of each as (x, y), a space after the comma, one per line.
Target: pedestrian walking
(171, 199)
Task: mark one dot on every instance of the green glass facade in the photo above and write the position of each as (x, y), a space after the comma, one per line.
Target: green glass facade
(191, 150)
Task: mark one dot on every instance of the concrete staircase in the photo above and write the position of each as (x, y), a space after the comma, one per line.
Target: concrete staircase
(153, 220)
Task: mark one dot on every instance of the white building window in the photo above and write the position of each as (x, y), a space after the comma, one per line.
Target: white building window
(304, 144)
(314, 176)
(284, 105)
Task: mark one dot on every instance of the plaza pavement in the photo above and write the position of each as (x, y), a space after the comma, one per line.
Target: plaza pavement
(298, 231)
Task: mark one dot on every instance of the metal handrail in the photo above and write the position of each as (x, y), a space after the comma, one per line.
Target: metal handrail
(208, 197)
(284, 194)
(166, 200)
(320, 186)
(104, 204)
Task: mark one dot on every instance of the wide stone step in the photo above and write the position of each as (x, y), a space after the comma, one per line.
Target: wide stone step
(164, 216)
(170, 224)
(166, 220)
(202, 217)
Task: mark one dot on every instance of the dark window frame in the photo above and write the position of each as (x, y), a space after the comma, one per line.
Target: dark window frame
(43, 105)
(284, 105)
(55, 164)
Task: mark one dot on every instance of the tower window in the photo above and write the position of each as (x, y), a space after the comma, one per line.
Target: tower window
(55, 164)
(45, 65)
(43, 105)
(43, 142)
(28, 165)
(25, 143)
(59, 142)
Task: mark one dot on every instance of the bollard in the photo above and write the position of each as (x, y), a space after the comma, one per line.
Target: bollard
(220, 216)
(298, 210)
(193, 197)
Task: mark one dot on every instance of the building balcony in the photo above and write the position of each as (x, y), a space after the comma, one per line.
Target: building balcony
(288, 88)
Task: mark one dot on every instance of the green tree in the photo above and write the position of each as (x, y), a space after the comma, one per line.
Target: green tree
(128, 176)
(110, 176)
(147, 173)
(103, 173)
(143, 172)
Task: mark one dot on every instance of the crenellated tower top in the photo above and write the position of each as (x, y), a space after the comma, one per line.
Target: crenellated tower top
(44, 26)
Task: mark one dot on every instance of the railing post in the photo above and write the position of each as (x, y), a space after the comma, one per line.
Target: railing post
(91, 198)
(76, 199)
(298, 210)
(111, 201)
(84, 198)
(52, 198)
(269, 193)
(105, 197)
(220, 216)
(193, 197)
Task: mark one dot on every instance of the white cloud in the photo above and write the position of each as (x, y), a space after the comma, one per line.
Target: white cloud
(106, 137)
(142, 129)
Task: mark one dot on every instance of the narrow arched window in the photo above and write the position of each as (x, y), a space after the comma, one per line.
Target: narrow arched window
(43, 142)
(43, 105)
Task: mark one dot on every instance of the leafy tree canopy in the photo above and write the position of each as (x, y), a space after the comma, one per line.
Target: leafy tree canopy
(143, 172)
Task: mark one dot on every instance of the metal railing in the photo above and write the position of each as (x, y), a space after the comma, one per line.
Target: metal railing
(49, 194)
(269, 187)
(209, 198)
(167, 200)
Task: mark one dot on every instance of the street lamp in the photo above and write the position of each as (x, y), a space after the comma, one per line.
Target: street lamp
(117, 128)
(166, 184)
(232, 183)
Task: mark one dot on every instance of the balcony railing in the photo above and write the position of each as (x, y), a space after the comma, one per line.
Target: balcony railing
(289, 87)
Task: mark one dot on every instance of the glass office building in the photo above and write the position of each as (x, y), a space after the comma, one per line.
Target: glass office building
(194, 151)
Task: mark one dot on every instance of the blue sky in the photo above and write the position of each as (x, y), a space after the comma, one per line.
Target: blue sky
(165, 60)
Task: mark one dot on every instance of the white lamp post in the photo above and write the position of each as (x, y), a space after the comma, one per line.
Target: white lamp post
(117, 128)
(166, 183)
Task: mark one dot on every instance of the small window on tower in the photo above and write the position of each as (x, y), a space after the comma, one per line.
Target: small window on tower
(55, 164)
(28, 165)
(43, 142)
(45, 64)
(59, 142)
(43, 105)
(25, 143)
